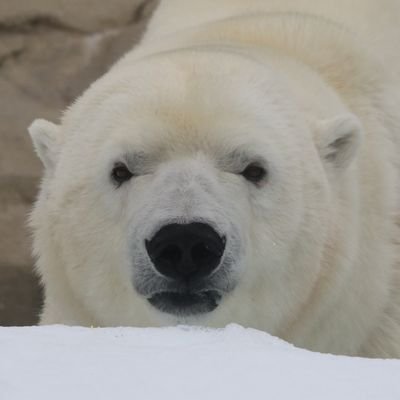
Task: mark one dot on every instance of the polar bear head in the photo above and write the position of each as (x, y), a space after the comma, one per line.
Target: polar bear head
(191, 187)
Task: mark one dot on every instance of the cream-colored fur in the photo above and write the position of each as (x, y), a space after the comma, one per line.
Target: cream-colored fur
(312, 91)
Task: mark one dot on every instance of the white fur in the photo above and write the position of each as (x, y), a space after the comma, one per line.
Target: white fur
(310, 89)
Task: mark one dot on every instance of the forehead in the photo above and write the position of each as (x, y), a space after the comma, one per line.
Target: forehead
(191, 101)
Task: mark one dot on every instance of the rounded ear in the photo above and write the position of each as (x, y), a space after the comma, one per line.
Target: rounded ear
(46, 141)
(338, 140)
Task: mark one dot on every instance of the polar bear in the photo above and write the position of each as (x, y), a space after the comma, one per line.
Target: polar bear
(239, 165)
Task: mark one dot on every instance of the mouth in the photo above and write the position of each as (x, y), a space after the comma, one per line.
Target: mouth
(187, 303)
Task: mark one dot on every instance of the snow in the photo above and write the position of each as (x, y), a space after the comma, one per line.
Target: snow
(58, 362)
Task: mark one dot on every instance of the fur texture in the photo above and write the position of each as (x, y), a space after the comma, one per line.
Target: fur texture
(310, 92)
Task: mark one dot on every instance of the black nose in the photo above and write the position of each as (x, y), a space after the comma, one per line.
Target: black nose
(185, 251)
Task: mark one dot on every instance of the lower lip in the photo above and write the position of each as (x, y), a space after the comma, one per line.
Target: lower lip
(186, 304)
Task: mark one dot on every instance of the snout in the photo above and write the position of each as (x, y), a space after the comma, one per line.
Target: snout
(186, 252)
(187, 256)
(186, 243)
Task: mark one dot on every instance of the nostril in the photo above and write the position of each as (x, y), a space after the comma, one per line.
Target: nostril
(171, 253)
(201, 253)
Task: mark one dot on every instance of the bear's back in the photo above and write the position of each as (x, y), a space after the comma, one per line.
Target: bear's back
(376, 22)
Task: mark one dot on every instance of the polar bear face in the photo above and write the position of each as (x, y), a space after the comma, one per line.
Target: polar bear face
(189, 189)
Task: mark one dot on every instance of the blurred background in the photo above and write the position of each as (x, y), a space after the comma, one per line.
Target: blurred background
(50, 51)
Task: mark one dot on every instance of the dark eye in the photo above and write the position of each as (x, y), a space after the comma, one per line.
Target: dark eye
(120, 173)
(254, 173)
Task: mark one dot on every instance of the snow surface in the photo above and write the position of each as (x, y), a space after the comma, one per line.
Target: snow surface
(58, 362)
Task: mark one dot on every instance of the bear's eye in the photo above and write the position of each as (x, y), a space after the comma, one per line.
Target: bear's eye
(254, 173)
(120, 173)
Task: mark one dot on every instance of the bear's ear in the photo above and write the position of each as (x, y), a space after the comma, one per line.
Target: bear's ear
(338, 140)
(46, 141)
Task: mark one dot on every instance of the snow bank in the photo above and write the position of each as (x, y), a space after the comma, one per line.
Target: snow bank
(180, 363)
